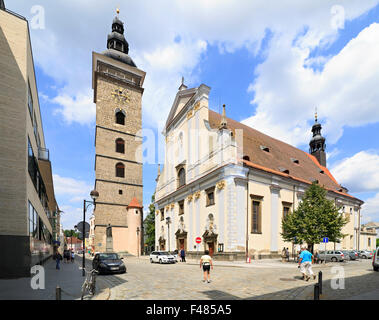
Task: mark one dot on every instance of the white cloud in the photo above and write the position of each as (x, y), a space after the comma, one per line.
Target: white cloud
(370, 209)
(359, 173)
(68, 187)
(345, 91)
(79, 108)
(63, 49)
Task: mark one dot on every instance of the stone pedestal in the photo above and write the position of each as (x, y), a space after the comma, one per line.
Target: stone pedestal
(109, 245)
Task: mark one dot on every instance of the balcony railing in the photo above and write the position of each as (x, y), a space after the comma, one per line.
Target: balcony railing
(43, 154)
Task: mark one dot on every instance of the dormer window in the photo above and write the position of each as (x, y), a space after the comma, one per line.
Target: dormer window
(284, 170)
(266, 149)
(322, 171)
(295, 160)
(247, 158)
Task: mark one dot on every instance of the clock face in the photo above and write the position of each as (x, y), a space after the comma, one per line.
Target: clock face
(121, 94)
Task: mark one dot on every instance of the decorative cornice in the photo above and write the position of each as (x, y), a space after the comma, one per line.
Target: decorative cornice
(275, 187)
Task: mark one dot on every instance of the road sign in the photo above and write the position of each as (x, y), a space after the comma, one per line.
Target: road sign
(325, 240)
(80, 226)
(198, 240)
(80, 236)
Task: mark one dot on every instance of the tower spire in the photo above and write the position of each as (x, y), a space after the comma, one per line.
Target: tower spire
(223, 123)
(317, 144)
(182, 86)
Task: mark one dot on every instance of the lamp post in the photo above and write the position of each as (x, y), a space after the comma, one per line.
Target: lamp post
(168, 221)
(138, 230)
(94, 195)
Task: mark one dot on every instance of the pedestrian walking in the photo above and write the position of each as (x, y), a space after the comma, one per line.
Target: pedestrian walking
(58, 258)
(305, 263)
(287, 255)
(183, 255)
(283, 254)
(65, 256)
(72, 256)
(206, 264)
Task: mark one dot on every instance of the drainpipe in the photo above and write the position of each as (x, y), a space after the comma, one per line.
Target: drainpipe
(359, 227)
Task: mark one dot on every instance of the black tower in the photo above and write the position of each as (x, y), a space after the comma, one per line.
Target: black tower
(118, 47)
(317, 145)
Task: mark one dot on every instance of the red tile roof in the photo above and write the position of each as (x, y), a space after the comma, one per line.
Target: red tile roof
(134, 204)
(280, 157)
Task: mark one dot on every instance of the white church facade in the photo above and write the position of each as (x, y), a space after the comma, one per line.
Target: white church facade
(230, 185)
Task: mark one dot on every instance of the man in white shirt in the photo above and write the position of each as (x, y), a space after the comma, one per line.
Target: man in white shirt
(206, 263)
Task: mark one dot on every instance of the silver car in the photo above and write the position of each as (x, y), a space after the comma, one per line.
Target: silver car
(333, 255)
(364, 254)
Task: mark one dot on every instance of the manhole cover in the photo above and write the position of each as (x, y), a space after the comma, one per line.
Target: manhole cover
(287, 279)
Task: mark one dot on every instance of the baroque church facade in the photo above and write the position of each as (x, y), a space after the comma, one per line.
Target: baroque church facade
(230, 185)
(118, 90)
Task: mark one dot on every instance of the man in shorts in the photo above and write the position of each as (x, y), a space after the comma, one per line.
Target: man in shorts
(206, 264)
(305, 264)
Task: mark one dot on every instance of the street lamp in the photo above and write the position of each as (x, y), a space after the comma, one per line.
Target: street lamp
(94, 195)
(138, 230)
(168, 221)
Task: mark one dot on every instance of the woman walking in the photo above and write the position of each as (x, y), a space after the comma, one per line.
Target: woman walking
(206, 264)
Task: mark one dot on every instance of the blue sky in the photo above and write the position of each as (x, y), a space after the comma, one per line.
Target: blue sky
(270, 63)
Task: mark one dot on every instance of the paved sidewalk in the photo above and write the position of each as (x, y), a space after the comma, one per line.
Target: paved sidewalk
(69, 278)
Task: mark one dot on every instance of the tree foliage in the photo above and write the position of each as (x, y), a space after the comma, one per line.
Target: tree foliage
(150, 224)
(70, 233)
(315, 218)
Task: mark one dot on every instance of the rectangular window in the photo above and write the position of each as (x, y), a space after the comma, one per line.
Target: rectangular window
(30, 102)
(256, 217)
(162, 214)
(286, 208)
(181, 207)
(210, 196)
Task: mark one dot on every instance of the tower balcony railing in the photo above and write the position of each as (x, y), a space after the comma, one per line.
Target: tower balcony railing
(43, 154)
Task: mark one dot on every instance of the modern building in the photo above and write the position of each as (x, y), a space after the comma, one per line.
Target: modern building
(230, 185)
(118, 89)
(28, 209)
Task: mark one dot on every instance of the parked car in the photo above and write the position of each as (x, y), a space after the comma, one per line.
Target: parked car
(375, 260)
(162, 257)
(364, 254)
(108, 263)
(175, 255)
(333, 255)
(350, 255)
(355, 253)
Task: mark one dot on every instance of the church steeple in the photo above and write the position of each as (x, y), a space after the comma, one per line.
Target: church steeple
(118, 47)
(317, 144)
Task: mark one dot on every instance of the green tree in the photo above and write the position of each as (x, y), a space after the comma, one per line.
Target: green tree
(315, 218)
(150, 224)
(69, 233)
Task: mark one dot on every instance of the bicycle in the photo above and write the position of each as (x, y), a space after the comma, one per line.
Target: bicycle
(89, 283)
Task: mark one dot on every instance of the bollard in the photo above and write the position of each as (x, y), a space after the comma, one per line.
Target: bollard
(58, 293)
(316, 292)
(320, 281)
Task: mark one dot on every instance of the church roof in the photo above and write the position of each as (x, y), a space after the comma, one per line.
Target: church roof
(134, 204)
(265, 153)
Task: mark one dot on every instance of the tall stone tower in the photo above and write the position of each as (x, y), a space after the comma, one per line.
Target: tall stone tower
(117, 84)
(317, 144)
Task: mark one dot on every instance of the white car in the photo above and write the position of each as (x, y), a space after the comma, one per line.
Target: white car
(162, 257)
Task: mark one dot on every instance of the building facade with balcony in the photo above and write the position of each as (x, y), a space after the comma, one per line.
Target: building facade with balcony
(28, 209)
(230, 185)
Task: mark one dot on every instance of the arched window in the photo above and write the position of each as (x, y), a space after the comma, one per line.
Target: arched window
(120, 118)
(120, 145)
(120, 170)
(182, 177)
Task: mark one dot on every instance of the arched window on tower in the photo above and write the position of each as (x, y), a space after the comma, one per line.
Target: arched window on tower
(120, 117)
(120, 170)
(120, 145)
(182, 177)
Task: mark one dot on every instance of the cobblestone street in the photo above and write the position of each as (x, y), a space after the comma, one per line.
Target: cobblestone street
(265, 279)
